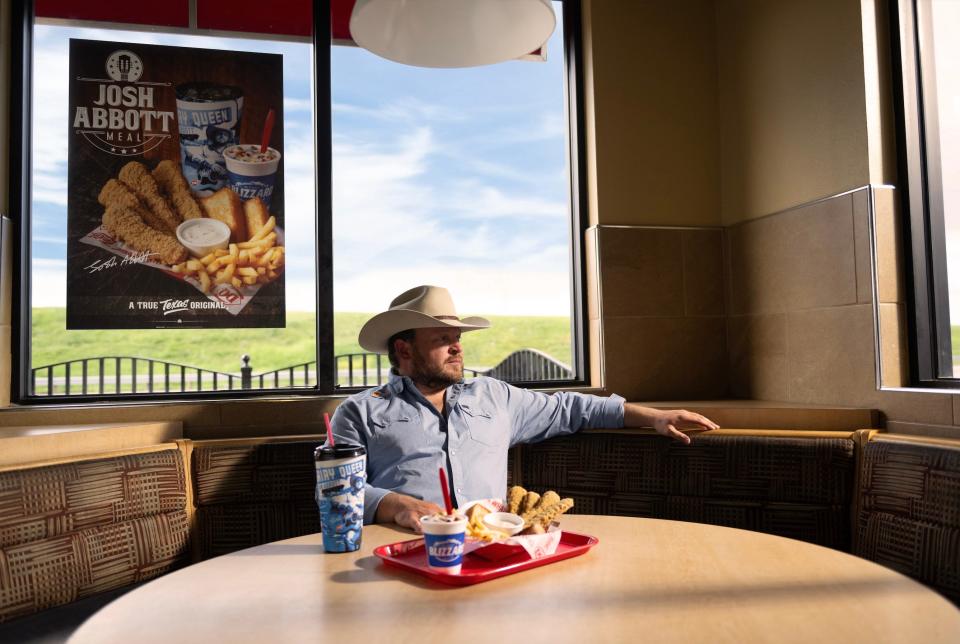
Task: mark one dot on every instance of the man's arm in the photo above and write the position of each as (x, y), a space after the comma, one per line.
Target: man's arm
(666, 422)
(347, 423)
(404, 510)
(379, 505)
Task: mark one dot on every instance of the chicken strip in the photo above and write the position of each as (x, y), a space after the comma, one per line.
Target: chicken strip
(142, 183)
(115, 193)
(546, 514)
(174, 187)
(127, 224)
(515, 497)
(529, 502)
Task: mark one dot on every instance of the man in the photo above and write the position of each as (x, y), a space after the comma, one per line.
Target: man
(427, 417)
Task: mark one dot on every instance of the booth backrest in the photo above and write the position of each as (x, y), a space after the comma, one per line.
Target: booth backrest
(909, 509)
(73, 529)
(799, 486)
(252, 491)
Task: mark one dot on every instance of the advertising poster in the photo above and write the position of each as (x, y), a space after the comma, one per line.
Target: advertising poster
(174, 208)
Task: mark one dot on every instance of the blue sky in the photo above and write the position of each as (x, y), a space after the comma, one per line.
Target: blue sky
(451, 177)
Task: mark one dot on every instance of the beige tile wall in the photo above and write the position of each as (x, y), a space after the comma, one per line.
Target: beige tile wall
(793, 103)
(800, 291)
(664, 328)
(652, 108)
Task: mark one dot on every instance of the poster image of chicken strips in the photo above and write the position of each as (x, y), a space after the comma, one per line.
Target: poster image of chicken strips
(175, 209)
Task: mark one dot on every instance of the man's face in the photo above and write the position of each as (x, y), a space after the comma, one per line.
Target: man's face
(436, 357)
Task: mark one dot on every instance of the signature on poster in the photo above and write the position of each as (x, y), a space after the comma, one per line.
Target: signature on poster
(139, 257)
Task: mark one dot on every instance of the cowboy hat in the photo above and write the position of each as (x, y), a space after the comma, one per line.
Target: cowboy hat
(421, 307)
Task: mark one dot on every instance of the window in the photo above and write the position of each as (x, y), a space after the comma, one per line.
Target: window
(927, 85)
(99, 321)
(457, 177)
(467, 178)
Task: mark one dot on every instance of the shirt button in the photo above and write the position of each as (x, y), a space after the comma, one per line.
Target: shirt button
(453, 451)
(459, 489)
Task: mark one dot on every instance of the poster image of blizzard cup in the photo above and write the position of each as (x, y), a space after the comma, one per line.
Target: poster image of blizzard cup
(251, 171)
(158, 234)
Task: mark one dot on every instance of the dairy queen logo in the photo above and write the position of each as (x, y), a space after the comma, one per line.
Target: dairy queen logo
(123, 118)
(446, 551)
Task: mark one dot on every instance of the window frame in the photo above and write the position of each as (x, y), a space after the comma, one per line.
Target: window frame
(22, 22)
(921, 196)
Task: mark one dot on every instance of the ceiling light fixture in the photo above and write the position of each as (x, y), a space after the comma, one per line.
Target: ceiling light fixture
(451, 33)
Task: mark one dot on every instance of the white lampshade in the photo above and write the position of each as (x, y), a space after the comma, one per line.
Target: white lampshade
(451, 33)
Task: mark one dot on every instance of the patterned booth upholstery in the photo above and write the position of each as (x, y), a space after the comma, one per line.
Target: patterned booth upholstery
(909, 509)
(794, 487)
(75, 529)
(253, 491)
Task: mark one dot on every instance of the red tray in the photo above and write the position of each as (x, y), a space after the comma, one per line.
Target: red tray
(411, 555)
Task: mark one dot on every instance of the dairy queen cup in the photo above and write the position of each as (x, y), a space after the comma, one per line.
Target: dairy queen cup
(341, 477)
(208, 117)
(443, 537)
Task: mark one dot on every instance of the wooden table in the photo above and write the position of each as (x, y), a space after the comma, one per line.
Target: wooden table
(647, 580)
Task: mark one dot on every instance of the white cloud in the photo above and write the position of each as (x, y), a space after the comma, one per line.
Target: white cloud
(492, 291)
(297, 105)
(406, 110)
(48, 283)
(477, 201)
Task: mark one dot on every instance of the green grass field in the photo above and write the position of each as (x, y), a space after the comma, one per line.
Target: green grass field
(955, 342)
(220, 349)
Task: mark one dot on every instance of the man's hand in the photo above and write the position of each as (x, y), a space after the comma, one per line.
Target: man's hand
(404, 510)
(666, 422)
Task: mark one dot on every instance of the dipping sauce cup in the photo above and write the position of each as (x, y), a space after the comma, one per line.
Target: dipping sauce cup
(203, 236)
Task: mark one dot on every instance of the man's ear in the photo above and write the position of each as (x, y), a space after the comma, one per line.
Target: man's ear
(403, 349)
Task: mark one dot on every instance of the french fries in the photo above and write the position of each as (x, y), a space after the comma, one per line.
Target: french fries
(475, 526)
(256, 261)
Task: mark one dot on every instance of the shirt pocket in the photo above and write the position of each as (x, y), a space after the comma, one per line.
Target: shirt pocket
(392, 428)
(482, 426)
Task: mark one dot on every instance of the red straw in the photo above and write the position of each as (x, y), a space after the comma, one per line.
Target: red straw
(446, 491)
(267, 131)
(326, 419)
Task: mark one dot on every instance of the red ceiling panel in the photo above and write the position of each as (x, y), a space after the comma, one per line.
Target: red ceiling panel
(286, 17)
(340, 11)
(169, 13)
(281, 17)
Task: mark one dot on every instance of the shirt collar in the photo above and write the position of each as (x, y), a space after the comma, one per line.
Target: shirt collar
(399, 383)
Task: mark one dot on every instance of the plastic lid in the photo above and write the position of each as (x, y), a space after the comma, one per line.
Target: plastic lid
(338, 451)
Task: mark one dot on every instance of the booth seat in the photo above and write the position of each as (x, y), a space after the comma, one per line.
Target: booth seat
(793, 484)
(252, 491)
(908, 514)
(76, 528)
(72, 529)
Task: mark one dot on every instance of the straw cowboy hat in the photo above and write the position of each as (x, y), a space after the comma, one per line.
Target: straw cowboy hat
(421, 307)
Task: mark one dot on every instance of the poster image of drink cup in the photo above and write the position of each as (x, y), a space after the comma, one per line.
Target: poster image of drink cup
(252, 172)
(148, 127)
(208, 117)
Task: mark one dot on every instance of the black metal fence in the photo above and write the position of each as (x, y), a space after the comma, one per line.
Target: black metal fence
(134, 375)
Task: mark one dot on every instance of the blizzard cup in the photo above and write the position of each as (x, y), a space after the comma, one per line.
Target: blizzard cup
(443, 536)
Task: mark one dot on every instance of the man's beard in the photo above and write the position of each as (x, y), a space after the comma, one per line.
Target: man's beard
(434, 377)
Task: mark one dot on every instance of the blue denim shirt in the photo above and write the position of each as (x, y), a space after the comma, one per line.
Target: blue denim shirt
(408, 440)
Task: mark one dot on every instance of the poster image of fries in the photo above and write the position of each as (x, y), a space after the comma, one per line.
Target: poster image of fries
(237, 275)
(257, 261)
